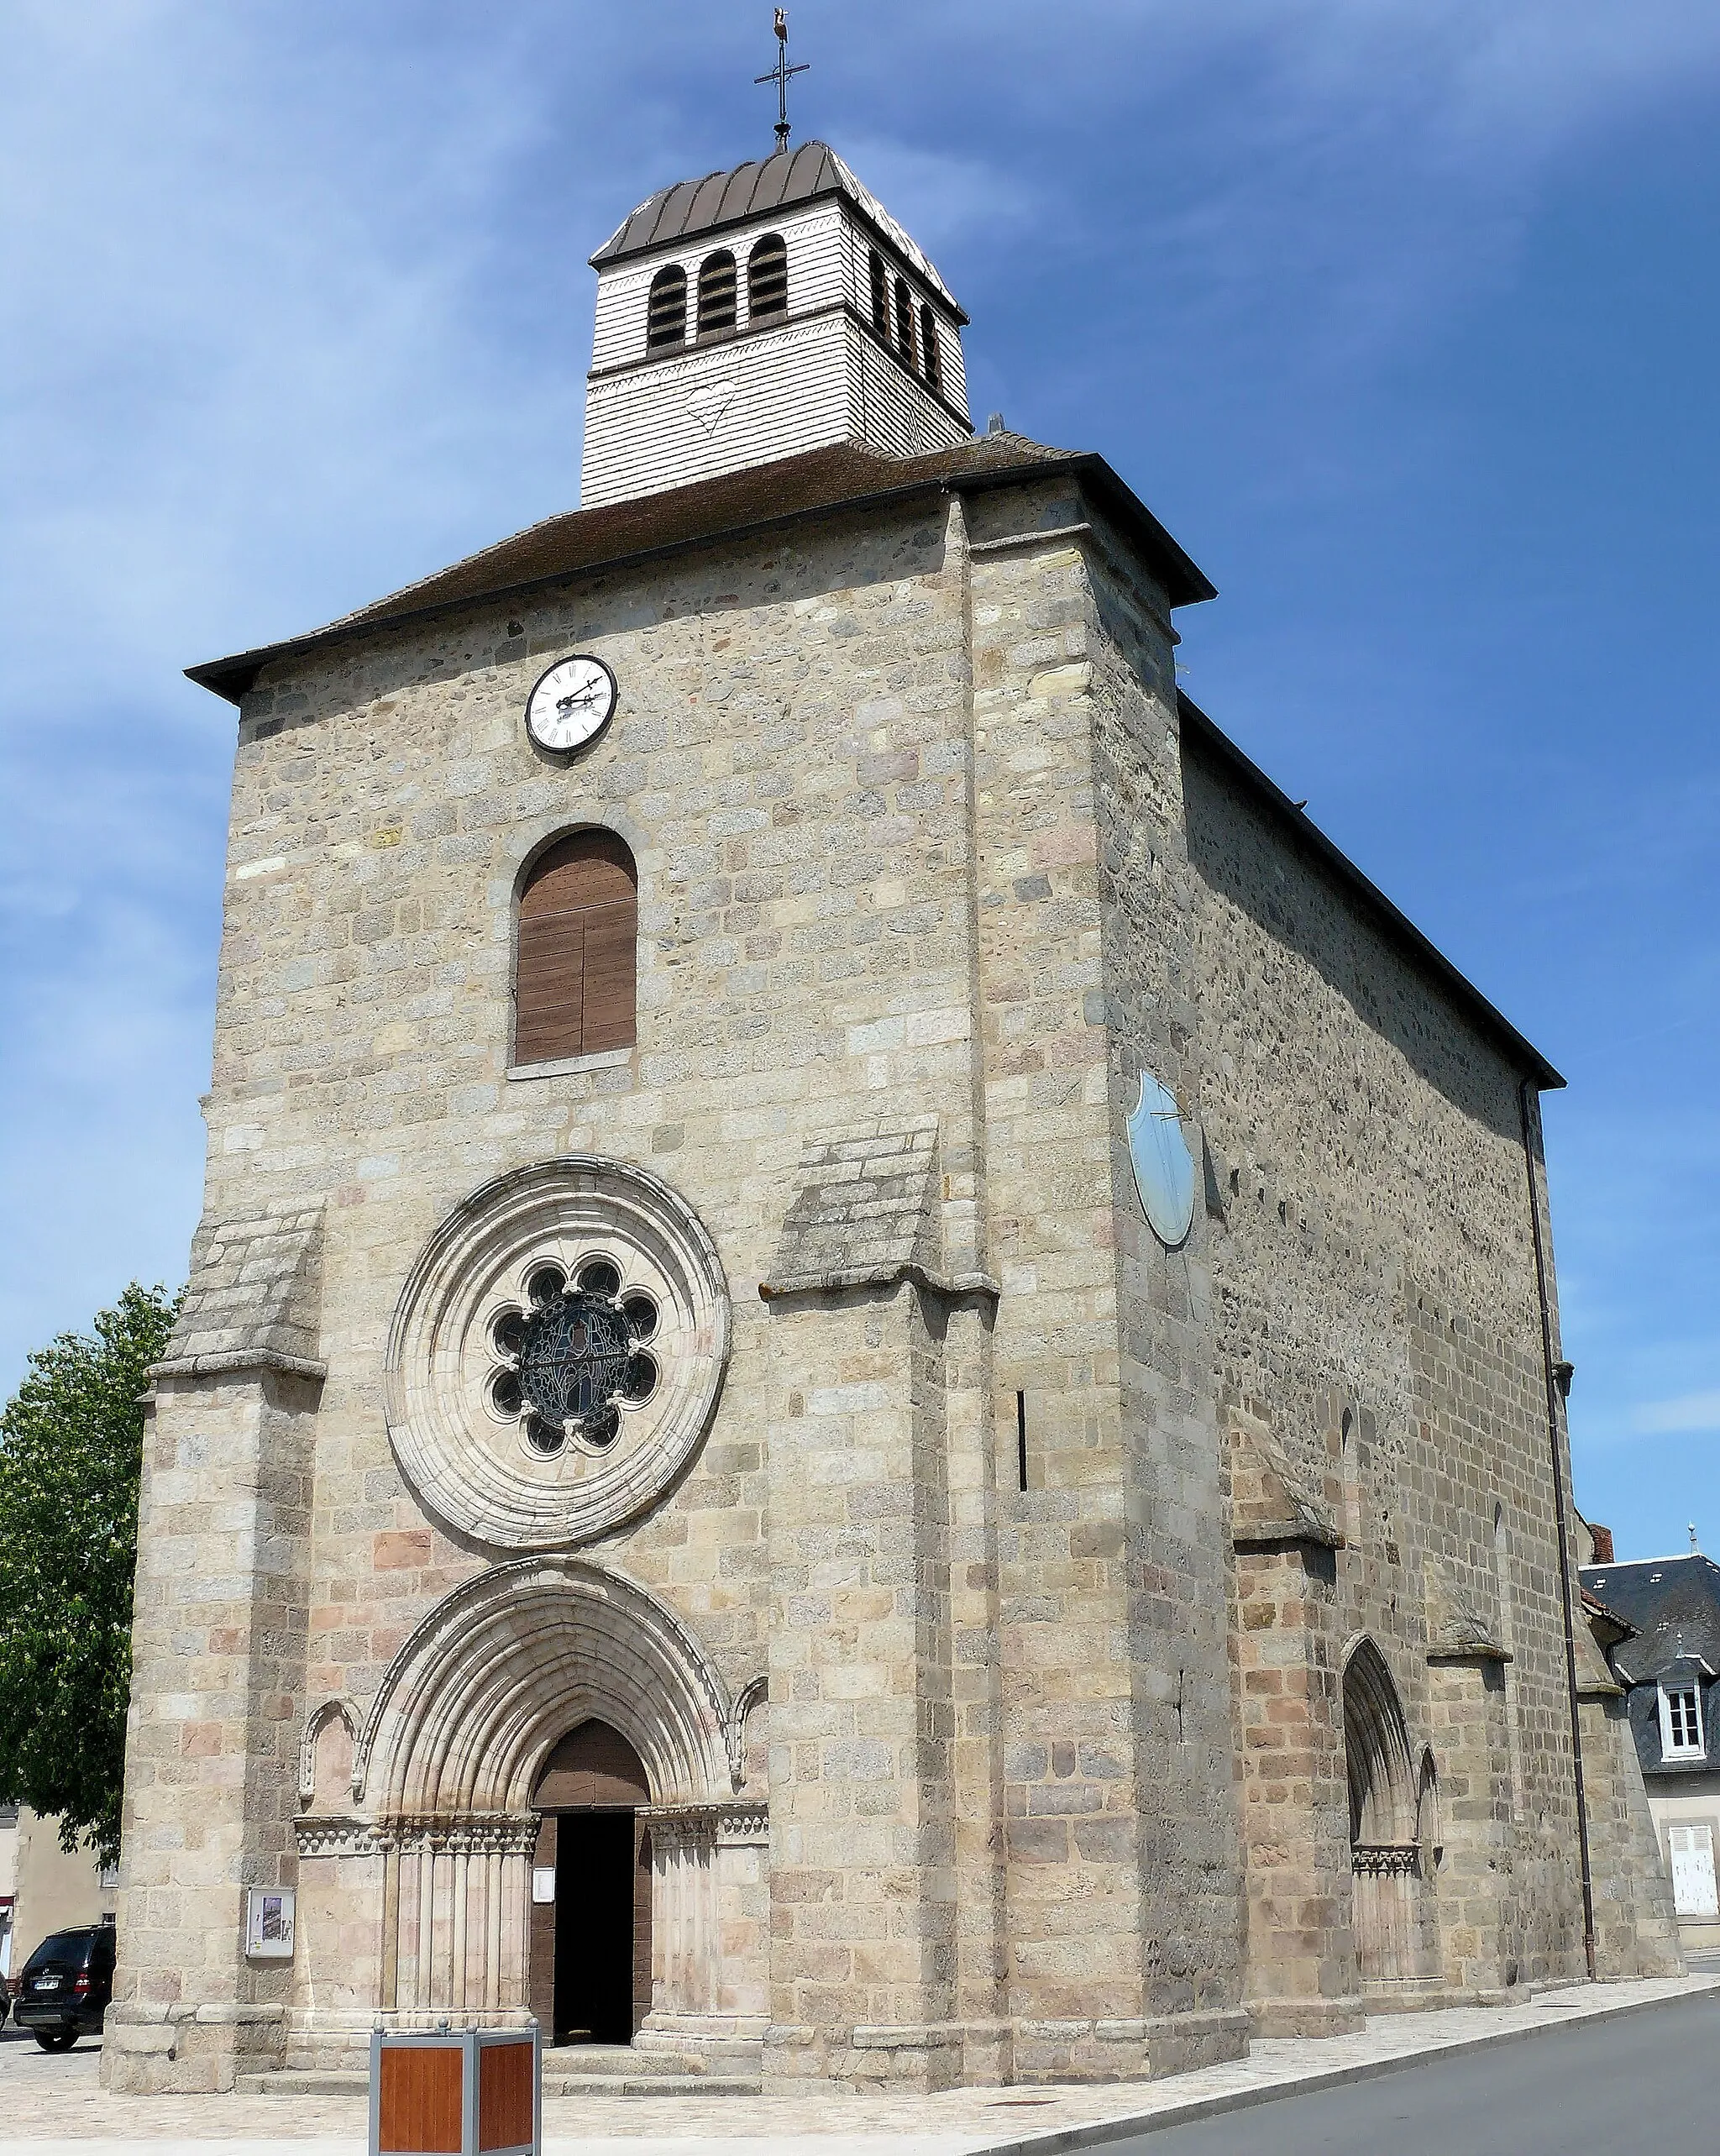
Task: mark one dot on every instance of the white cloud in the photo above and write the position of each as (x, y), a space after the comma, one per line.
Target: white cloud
(1692, 1412)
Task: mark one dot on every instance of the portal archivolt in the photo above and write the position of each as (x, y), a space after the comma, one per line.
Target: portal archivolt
(458, 1752)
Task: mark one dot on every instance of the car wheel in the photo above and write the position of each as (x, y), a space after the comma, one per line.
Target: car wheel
(56, 2039)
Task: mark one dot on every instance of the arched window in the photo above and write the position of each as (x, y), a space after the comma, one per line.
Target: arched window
(666, 318)
(931, 356)
(767, 278)
(717, 294)
(576, 962)
(880, 297)
(905, 322)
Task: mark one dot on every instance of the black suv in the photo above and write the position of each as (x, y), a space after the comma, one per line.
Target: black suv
(65, 1985)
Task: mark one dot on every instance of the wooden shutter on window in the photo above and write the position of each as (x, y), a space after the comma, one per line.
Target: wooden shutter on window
(575, 977)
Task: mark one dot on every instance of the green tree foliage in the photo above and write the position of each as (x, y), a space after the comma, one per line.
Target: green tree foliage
(71, 1456)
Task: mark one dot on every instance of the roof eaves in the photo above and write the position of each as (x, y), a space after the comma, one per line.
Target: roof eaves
(622, 249)
(232, 676)
(1184, 583)
(1398, 926)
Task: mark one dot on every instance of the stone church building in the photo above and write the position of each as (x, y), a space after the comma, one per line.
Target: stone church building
(871, 1390)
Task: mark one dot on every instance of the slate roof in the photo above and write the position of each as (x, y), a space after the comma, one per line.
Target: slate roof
(1672, 1602)
(818, 481)
(1672, 1606)
(788, 178)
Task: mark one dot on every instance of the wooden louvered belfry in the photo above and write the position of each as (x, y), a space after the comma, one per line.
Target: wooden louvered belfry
(767, 280)
(575, 973)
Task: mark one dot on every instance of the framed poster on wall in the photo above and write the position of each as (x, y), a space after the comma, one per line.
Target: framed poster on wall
(268, 1914)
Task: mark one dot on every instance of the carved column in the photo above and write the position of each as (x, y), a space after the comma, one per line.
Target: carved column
(709, 1930)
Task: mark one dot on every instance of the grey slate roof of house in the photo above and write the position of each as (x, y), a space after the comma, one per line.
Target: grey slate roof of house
(1673, 1605)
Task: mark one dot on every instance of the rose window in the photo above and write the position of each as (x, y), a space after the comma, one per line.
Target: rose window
(571, 1356)
(556, 1352)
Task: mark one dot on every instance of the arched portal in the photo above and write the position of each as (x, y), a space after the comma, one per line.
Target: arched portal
(479, 1724)
(1385, 1856)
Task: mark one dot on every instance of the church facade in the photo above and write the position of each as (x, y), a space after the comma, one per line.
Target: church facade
(870, 1390)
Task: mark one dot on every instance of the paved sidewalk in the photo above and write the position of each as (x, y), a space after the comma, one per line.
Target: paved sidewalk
(55, 2107)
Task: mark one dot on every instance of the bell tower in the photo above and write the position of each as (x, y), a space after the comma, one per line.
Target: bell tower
(758, 313)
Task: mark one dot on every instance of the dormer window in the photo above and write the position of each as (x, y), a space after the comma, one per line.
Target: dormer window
(931, 356)
(880, 297)
(716, 295)
(666, 316)
(1681, 1736)
(905, 324)
(767, 278)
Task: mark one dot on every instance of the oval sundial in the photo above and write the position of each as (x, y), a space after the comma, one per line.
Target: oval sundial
(1164, 1167)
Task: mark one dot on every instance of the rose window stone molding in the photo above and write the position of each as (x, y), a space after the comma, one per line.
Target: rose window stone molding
(556, 1352)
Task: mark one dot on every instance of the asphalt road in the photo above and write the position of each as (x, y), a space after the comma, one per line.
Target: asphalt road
(1644, 2085)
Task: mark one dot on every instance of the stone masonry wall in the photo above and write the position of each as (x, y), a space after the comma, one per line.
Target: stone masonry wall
(1377, 1311)
(789, 765)
(1119, 1908)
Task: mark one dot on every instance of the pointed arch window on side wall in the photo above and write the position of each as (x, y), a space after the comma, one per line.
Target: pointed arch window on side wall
(904, 323)
(666, 316)
(717, 294)
(767, 278)
(576, 969)
(931, 354)
(880, 296)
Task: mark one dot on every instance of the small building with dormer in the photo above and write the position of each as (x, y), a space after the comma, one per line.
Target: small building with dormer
(1666, 1654)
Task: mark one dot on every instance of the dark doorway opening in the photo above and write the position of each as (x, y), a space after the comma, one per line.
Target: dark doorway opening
(590, 1977)
(594, 1928)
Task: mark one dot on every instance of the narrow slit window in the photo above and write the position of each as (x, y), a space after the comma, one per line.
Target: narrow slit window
(880, 298)
(666, 315)
(931, 353)
(1022, 1439)
(717, 294)
(904, 323)
(767, 278)
(575, 968)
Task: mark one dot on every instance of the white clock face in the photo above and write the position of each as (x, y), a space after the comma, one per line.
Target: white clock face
(571, 703)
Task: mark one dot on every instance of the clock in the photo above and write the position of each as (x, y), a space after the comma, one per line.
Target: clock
(571, 703)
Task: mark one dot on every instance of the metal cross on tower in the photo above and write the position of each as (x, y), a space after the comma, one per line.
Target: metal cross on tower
(779, 74)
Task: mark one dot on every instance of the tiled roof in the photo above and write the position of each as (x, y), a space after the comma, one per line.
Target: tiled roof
(842, 476)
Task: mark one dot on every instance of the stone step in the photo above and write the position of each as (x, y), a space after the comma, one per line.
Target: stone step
(586, 2069)
(649, 2085)
(304, 2082)
(587, 2060)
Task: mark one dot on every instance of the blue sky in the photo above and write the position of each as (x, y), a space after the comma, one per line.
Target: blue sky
(1400, 314)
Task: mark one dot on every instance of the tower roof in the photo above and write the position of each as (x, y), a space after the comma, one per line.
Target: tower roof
(783, 180)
